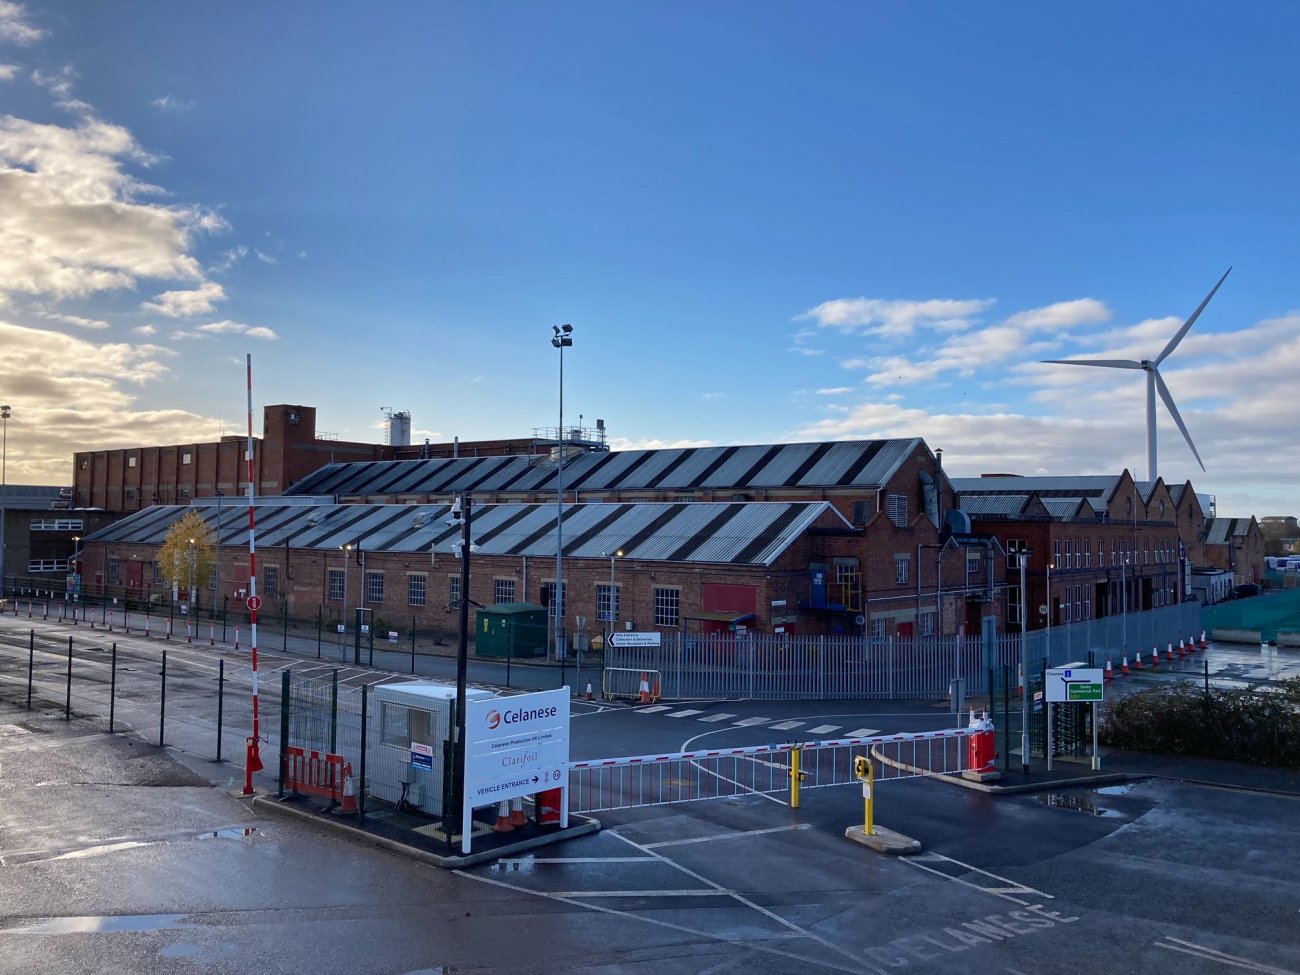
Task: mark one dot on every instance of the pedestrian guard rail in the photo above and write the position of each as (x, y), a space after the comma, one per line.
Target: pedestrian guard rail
(651, 780)
(320, 774)
(629, 682)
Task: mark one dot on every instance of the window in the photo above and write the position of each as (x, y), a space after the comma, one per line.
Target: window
(902, 568)
(607, 602)
(185, 492)
(898, 509)
(114, 571)
(374, 587)
(973, 563)
(878, 629)
(416, 585)
(1056, 553)
(336, 584)
(130, 462)
(668, 606)
(157, 574)
(453, 591)
(130, 494)
(1013, 604)
(1114, 551)
(548, 596)
(186, 457)
(927, 623)
(85, 464)
(394, 723)
(1087, 553)
(1014, 547)
(271, 581)
(503, 590)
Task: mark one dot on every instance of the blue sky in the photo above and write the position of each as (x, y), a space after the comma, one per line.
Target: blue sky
(766, 222)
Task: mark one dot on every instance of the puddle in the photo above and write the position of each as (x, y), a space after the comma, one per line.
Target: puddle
(234, 833)
(1082, 801)
(90, 925)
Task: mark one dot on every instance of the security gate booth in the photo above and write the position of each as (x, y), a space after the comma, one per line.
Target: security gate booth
(408, 730)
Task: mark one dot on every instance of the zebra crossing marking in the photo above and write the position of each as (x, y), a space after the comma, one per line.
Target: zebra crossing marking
(823, 729)
(750, 722)
(655, 707)
(787, 725)
(683, 714)
(863, 733)
(719, 716)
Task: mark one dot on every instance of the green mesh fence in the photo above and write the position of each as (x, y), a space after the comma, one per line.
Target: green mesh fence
(1269, 612)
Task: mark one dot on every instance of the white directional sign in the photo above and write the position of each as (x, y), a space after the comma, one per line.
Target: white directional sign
(1066, 684)
(624, 638)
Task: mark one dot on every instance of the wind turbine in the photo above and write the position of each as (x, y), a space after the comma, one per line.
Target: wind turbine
(1154, 382)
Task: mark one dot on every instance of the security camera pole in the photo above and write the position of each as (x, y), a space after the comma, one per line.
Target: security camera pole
(462, 512)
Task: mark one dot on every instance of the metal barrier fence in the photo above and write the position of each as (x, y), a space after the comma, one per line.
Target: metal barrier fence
(651, 780)
(761, 666)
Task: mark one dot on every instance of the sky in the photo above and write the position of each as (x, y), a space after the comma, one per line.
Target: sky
(766, 222)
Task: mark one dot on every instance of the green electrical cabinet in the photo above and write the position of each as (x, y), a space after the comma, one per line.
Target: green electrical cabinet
(511, 630)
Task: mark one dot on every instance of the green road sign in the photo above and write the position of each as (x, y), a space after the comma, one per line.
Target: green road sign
(1083, 692)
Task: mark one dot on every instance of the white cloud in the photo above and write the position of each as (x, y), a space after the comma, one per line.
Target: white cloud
(144, 330)
(266, 258)
(835, 391)
(1061, 315)
(14, 25)
(8, 72)
(709, 397)
(804, 350)
(170, 103)
(183, 304)
(228, 327)
(875, 316)
(77, 320)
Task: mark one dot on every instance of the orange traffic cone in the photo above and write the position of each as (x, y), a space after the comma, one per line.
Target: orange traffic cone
(1123, 667)
(1137, 660)
(1169, 652)
(503, 818)
(588, 690)
(1202, 643)
(1182, 647)
(517, 817)
(654, 689)
(643, 692)
(1155, 656)
(1110, 671)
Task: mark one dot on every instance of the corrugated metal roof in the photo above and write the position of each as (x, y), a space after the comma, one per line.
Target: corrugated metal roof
(1095, 485)
(856, 463)
(1219, 530)
(992, 504)
(748, 533)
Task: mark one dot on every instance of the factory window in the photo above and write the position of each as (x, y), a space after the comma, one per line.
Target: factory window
(898, 509)
(114, 572)
(130, 462)
(186, 457)
(902, 568)
(130, 494)
(271, 581)
(503, 590)
(668, 606)
(548, 596)
(336, 584)
(374, 587)
(604, 599)
(453, 592)
(416, 584)
(1014, 547)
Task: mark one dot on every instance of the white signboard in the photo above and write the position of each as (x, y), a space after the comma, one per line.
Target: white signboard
(515, 746)
(1066, 684)
(624, 638)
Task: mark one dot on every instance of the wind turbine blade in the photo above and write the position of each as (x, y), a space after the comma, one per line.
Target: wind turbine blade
(1173, 411)
(1178, 336)
(1109, 363)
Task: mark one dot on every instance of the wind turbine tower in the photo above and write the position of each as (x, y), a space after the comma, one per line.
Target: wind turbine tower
(1154, 382)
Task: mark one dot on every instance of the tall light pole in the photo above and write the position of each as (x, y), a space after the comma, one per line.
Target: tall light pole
(347, 557)
(219, 495)
(191, 585)
(462, 514)
(4, 490)
(613, 591)
(1024, 666)
(562, 339)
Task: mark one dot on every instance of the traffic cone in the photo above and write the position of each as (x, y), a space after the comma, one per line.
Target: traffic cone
(654, 689)
(588, 690)
(1169, 652)
(1137, 660)
(1123, 667)
(236, 638)
(1155, 656)
(1202, 643)
(517, 817)
(1110, 671)
(503, 818)
(1182, 648)
(643, 692)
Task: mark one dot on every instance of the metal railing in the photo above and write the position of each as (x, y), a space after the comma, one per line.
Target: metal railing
(652, 780)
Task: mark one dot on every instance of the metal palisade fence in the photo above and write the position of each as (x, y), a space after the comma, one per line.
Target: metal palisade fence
(779, 666)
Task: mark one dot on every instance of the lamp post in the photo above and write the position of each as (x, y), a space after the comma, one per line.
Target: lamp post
(562, 339)
(613, 591)
(4, 490)
(190, 587)
(1024, 666)
(343, 613)
(219, 495)
(462, 514)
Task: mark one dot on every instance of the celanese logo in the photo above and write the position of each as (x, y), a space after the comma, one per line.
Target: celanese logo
(493, 719)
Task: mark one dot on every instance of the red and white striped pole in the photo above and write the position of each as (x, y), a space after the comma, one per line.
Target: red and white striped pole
(252, 758)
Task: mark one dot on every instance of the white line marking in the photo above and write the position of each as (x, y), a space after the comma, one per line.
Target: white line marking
(720, 716)
(750, 722)
(863, 733)
(684, 892)
(1011, 887)
(723, 836)
(740, 941)
(532, 860)
(683, 714)
(1213, 954)
(651, 709)
(826, 729)
(787, 725)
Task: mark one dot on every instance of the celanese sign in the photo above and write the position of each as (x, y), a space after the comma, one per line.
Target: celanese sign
(515, 746)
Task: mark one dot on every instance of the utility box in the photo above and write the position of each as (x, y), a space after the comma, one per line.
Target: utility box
(511, 630)
(410, 728)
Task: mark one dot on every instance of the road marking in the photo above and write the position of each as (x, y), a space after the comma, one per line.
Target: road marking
(683, 892)
(683, 714)
(750, 722)
(787, 725)
(722, 836)
(653, 708)
(720, 716)
(1006, 889)
(824, 729)
(1213, 954)
(528, 861)
(862, 733)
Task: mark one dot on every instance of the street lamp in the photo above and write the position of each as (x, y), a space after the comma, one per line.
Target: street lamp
(462, 515)
(219, 495)
(193, 553)
(1024, 666)
(562, 339)
(343, 613)
(4, 489)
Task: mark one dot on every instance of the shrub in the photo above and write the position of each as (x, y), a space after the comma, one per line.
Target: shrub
(1179, 719)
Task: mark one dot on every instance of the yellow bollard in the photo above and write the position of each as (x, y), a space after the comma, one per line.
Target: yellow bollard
(796, 776)
(869, 801)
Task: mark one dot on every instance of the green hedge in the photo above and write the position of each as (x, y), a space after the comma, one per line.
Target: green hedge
(1181, 719)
